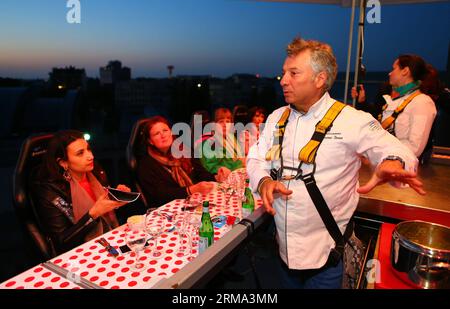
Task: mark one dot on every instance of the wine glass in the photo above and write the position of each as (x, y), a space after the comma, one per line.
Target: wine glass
(155, 222)
(194, 224)
(226, 188)
(136, 237)
(182, 221)
(238, 181)
(193, 201)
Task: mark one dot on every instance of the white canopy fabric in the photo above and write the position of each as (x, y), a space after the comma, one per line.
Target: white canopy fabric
(353, 4)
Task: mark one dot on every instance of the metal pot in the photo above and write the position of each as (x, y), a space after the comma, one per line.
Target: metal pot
(420, 254)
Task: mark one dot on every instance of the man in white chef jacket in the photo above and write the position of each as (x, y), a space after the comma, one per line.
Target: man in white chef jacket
(304, 242)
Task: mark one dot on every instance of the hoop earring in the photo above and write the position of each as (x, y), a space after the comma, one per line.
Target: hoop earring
(67, 175)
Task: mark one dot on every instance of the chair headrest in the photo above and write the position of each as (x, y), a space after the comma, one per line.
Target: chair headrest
(31, 154)
(136, 143)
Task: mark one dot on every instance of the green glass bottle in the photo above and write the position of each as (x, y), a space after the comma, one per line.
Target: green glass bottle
(206, 230)
(248, 204)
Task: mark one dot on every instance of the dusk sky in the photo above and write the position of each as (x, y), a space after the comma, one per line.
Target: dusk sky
(211, 37)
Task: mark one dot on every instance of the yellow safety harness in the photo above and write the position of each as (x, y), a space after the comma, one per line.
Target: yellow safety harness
(274, 152)
(309, 151)
(388, 121)
(308, 155)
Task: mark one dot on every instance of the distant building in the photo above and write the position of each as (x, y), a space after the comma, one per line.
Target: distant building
(244, 89)
(190, 93)
(142, 92)
(143, 97)
(12, 98)
(50, 114)
(30, 110)
(114, 72)
(67, 78)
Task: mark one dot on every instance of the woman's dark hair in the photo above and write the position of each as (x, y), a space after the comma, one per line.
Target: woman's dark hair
(416, 65)
(57, 150)
(255, 110)
(431, 85)
(425, 72)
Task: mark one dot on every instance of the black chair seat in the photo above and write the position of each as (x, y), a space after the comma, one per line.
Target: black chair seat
(31, 154)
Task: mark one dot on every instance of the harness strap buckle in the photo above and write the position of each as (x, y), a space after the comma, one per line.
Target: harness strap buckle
(275, 173)
(290, 177)
(307, 178)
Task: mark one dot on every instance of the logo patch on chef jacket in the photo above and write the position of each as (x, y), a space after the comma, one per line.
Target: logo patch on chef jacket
(333, 135)
(374, 125)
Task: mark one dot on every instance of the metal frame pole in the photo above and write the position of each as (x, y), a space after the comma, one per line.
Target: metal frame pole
(349, 52)
(362, 11)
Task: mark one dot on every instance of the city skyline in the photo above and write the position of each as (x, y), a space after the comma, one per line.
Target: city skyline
(198, 37)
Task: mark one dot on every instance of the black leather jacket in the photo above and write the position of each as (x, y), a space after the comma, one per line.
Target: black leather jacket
(53, 204)
(158, 185)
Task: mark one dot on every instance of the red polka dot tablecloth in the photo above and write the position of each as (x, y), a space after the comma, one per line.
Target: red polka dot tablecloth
(92, 262)
(38, 277)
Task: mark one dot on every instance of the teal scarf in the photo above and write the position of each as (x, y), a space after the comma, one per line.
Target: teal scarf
(410, 87)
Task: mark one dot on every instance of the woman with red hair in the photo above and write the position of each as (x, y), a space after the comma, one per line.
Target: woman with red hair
(165, 175)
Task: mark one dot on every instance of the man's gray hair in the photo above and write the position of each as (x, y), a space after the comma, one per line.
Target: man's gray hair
(322, 57)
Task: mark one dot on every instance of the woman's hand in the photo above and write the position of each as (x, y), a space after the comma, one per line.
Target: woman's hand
(203, 187)
(222, 174)
(360, 95)
(123, 188)
(104, 205)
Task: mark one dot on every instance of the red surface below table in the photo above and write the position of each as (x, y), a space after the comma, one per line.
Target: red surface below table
(388, 279)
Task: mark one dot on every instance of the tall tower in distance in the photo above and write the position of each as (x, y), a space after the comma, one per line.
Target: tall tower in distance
(170, 68)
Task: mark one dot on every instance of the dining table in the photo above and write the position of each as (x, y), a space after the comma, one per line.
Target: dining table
(91, 266)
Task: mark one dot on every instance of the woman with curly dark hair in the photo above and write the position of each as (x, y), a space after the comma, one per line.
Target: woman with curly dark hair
(71, 201)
